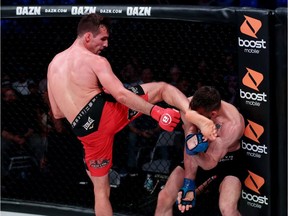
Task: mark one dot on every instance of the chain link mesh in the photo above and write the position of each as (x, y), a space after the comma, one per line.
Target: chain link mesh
(51, 169)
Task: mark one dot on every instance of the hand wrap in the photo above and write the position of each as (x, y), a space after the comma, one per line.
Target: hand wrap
(194, 144)
(188, 186)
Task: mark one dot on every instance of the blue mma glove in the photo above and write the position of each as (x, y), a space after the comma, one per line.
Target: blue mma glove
(196, 144)
(188, 186)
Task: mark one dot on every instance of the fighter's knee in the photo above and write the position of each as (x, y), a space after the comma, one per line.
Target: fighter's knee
(162, 195)
(154, 87)
(165, 87)
(228, 209)
(165, 198)
(165, 84)
(161, 85)
(164, 204)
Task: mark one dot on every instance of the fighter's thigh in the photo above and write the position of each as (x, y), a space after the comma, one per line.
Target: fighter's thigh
(154, 90)
(98, 153)
(230, 190)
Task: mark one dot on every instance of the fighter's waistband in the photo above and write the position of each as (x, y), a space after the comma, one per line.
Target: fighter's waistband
(87, 120)
(232, 156)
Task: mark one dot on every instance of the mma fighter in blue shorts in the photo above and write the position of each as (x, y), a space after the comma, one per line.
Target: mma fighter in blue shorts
(222, 157)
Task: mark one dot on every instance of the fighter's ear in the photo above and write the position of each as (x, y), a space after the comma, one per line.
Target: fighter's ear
(214, 114)
(88, 36)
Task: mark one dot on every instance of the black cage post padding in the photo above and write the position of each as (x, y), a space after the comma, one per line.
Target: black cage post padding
(278, 66)
(255, 104)
(279, 92)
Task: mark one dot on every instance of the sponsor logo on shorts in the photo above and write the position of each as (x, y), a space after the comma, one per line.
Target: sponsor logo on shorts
(138, 11)
(253, 131)
(89, 124)
(252, 79)
(227, 158)
(100, 163)
(132, 113)
(250, 27)
(254, 182)
(135, 90)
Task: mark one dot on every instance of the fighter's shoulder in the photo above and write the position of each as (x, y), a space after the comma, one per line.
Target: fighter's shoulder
(97, 60)
(229, 107)
(57, 59)
(233, 126)
(53, 64)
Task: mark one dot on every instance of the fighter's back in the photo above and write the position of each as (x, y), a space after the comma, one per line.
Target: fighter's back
(70, 76)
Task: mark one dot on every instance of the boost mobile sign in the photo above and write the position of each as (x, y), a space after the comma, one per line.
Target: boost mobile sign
(252, 191)
(254, 69)
(251, 140)
(250, 27)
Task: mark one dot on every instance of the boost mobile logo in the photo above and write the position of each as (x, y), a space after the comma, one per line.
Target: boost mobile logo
(254, 182)
(250, 26)
(252, 79)
(253, 131)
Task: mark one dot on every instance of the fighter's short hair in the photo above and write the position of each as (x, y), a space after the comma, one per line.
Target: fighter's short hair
(206, 97)
(91, 23)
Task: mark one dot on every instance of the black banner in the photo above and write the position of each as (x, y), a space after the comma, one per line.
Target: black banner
(254, 72)
(192, 13)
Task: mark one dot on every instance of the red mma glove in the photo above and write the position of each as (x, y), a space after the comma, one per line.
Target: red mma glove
(168, 118)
